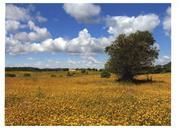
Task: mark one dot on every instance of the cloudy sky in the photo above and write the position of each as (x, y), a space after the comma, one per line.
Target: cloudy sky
(75, 35)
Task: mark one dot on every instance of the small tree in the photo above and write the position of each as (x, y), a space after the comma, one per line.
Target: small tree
(105, 74)
(129, 54)
(83, 70)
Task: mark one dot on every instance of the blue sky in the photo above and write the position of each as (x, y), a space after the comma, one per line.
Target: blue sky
(75, 35)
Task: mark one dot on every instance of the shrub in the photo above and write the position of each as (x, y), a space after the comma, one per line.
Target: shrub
(100, 70)
(70, 73)
(53, 75)
(83, 71)
(27, 75)
(10, 75)
(105, 74)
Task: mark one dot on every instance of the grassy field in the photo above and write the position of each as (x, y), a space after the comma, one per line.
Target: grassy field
(86, 100)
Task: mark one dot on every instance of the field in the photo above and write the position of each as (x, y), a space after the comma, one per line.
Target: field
(52, 98)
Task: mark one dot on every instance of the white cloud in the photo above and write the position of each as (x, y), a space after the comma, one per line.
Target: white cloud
(41, 19)
(91, 60)
(14, 46)
(12, 25)
(163, 60)
(82, 12)
(21, 36)
(86, 61)
(18, 18)
(72, 62)
(16, 13)
(51, 45)
(127, 25)
(167, 22)
(157, 46)
(166, 57)
(37, 39)
(36, 34)
(84, 43)
(39, 33)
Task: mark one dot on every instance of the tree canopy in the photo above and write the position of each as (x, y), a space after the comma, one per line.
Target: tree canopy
(129, 54)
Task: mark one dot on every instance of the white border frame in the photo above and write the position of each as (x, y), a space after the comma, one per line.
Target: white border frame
(2, 63)
(176, 52)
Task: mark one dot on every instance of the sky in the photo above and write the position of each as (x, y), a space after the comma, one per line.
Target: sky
(75, 35)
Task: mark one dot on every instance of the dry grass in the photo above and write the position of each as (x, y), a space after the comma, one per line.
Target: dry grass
(86, 100)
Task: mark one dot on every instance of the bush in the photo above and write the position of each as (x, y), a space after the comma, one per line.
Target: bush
(70, 73)
(10, 75)
(53, 75)
(105, 74)
(100, 70)
(27, 75)
(83, 71)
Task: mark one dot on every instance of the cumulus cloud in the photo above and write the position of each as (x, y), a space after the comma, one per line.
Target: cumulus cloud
(14, 46)
(12, 25)
(83, 62)
(19, 17)
(90, 59)
(167, 22)
(86, 61)
(16, 13)
(166, 57)
(15, 16)
(39, 33)
(38, 39)
(41, 18)
(72, 62)
(19, 40)
(36, 34)
(82, 12)
(157, 46)
(84, 43)
(127, 25)
(163, 60)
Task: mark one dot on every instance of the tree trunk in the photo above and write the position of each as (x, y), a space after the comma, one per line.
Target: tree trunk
(127, 76)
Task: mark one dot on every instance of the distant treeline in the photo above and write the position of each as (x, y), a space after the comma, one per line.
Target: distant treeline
(89, 69)
(47, 69)
(34, 69)
(155, 69)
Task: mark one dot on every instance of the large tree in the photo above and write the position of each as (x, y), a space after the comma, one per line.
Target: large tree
(130, 54)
